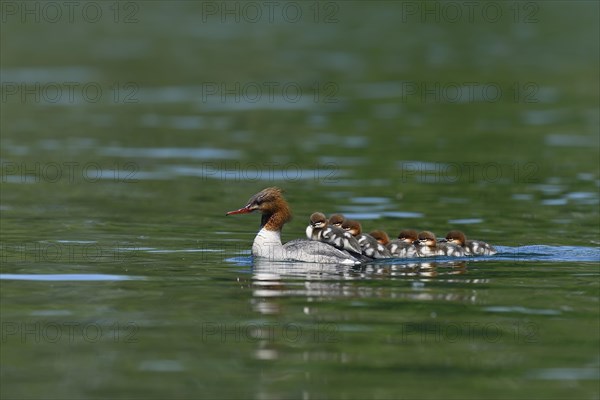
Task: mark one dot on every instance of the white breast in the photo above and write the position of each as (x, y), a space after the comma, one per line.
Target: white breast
(267, 244)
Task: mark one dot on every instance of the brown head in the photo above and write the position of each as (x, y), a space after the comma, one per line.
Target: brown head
(352, 226)
(381, 237)
(337, 220)
(318, 220)
(270, 202)
(408, 235)
(427, 238)
(456, 237)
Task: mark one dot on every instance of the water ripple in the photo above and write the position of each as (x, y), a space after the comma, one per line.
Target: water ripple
(201, 153)
(466, 221)
(547, 253)
(522, 310)
(69, 277)
(566, 374)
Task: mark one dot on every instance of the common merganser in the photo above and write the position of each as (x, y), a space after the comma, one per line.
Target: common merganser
(451, 249)
(403, 246)
(267, 243)
(319, 229)
(316, 223)
(369, 246)
(427, 246)
(336, 220)
(471, 247)
(381, 237)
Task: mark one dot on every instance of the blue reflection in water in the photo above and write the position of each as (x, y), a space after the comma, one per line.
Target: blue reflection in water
(69, 277)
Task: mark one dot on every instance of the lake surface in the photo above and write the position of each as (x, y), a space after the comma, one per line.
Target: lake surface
(129, 129)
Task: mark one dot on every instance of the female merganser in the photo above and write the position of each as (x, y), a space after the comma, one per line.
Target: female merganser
(370, 247)
(403, 246)
(267, 243)
(471, 247)
(318, 229)
(428, 246)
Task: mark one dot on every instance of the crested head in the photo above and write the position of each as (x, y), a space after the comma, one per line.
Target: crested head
(267, 200)
(337, 220)
(408, 235)
(318, 220)
(381, 237)
(427, 238)
(270, 202)
(456, 237)
(352, 226)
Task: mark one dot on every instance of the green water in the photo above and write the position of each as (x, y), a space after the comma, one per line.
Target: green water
(126, 136)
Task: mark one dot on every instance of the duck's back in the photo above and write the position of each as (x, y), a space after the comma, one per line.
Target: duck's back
(315, 251)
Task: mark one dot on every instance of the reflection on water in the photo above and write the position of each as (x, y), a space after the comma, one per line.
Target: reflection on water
(313, 281)
(310, 280)
(313, 271)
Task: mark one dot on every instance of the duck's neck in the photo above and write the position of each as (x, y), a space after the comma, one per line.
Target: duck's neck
(264, 220)
(267, 243)
(274, 221)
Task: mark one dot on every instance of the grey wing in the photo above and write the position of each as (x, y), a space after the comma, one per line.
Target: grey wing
(313, 251)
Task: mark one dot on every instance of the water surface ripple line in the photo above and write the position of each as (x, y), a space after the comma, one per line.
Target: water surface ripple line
(505, 253)
(547, 253)
(68, 277)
